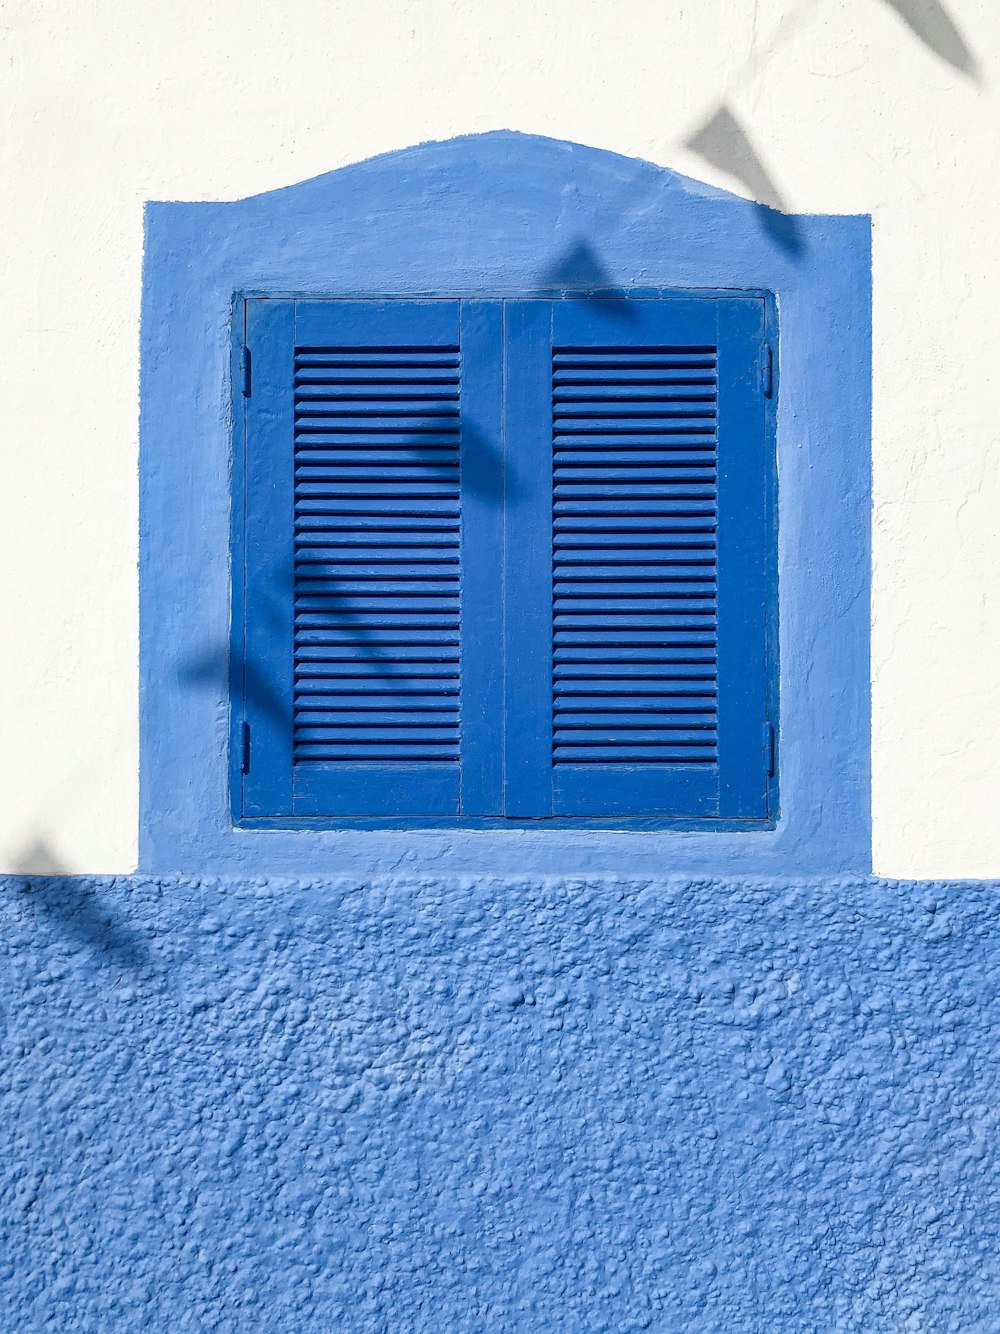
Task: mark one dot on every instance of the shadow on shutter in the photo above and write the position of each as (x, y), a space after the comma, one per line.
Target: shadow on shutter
(505, 561)
(354, 514)
(377, 529)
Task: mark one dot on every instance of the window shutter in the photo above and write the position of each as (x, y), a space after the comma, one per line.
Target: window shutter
(354, 557)
(503, 560)
(641, 638)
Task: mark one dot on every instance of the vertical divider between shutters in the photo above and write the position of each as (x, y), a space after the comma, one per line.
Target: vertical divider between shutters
(269, 537)
(528, 574)
(482, 558)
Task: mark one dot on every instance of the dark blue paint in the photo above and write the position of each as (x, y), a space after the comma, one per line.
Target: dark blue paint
(527, 642)
(486, 487)
(378, 603)
(489, 215)
(309, 601)
(741, 451)
(515, 1106)
(263, 537)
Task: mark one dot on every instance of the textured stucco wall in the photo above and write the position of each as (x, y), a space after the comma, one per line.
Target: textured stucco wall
(881, 107)
(499, 1106)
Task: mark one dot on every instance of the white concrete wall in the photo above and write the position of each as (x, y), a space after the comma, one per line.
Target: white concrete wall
(880, 106)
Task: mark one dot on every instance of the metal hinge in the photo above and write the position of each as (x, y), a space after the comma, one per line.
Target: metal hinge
(245, 369)
(767, 370)
(769, 749)
(245, 749)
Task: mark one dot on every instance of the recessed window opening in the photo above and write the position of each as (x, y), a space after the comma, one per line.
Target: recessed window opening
(501, 561)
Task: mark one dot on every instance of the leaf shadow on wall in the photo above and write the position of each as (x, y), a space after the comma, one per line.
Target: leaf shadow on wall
(724, 143)
(581, 266)
(69, 904)
(224, 667)
(931, 23)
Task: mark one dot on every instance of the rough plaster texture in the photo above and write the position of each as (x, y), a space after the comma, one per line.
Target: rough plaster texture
(499, 1106)
(885, 107)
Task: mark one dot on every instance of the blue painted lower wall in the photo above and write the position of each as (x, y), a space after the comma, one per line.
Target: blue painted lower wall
(492, 1106)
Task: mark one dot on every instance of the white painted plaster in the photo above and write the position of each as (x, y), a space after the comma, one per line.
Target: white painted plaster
(106, 105)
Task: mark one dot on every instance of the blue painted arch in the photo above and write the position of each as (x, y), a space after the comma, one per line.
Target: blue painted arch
(503, 213)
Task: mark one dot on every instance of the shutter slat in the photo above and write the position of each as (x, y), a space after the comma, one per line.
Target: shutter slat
(408, 475)
(619, 390)
(345, 456)
(612, 528)
(360, 712)
(634, 418)
(604, 621)
(316, 585)
(318, 571)
(399, 406)
(372, 639)
(623, 570)
(634, 440)
(363, 528)
(332, 552)
(431, 675)
(335, 504)
(699, 437)
(611, 754)
(401, 688)
(595, 380)
(364, 544)
(580, 700)
(393, 730)
(619, 639)
(430, 379)
(346, 422)
(632, 475)
(690, 647)
(424, 492)
(630, 606)
(575, 544)
(309, 442)
(371, 358)
(696, 465)
(377, 543)
(626, 359)
(401, 621)
(634, 574)
(351, 752)
(396, 396)
(676, 732)
(648, 719)
(643, 493)
(689, 502)
(354, 605)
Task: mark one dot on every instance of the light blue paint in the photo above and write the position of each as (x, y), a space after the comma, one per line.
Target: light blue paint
(499, 1107)
(493, 214)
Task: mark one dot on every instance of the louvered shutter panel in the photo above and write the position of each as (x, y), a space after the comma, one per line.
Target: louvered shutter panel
(641, 635)
(354, 558)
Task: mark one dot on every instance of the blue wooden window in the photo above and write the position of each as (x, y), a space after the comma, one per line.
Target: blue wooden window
(504, 560)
